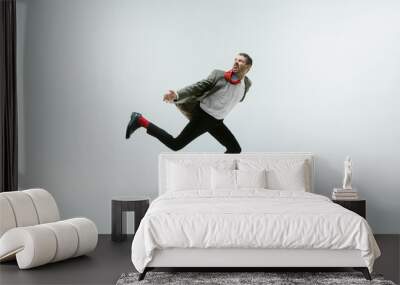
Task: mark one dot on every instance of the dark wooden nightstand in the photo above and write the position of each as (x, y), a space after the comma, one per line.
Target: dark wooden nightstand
(119, 207)
(357, 206)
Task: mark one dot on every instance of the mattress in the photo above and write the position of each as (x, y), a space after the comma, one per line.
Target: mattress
(250, 219)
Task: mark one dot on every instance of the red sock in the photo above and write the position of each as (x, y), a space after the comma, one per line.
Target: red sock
(143, 122)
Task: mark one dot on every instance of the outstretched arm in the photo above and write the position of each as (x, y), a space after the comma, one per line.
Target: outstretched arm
(197, 89)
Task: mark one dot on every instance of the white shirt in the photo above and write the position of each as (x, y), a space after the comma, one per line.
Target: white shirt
(222, 102)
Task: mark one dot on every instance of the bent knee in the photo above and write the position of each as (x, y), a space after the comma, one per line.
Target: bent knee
(235, 149)
(176, 146)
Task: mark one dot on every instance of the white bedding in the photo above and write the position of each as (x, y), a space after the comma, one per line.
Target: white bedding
(250, 218)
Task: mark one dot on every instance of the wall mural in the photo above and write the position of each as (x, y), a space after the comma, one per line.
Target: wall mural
(206, 104)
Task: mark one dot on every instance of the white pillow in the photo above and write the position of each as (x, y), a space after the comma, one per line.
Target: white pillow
(188, 175)
(237, 179)
(282, 174)
(183, 178)
(289, 179)
(251, 178)
(223, 179)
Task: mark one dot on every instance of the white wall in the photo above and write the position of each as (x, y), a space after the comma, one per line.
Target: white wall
(325, 79)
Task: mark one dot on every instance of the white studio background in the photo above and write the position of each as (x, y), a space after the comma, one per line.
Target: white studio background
(326, 79)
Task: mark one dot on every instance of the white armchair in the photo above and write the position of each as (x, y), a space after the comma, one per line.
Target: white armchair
(31, 230)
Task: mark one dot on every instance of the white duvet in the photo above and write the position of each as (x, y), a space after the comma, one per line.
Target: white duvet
(251, 218)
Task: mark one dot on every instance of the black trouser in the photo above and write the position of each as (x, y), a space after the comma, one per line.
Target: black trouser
(200, 123)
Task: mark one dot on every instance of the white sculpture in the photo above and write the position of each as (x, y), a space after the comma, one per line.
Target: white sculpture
(347, 174)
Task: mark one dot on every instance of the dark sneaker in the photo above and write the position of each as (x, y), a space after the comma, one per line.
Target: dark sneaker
(133, 124)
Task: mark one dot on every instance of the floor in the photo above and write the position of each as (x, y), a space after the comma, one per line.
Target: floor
(111, 259)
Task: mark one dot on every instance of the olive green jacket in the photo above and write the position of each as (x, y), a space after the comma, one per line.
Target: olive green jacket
(189, 96)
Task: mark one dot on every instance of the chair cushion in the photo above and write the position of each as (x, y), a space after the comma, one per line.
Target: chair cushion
(23, 208)
(45, 205)
(27, 208)
(7, 216)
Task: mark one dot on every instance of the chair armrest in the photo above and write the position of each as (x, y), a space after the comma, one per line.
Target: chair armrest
(40, 244)
(32, 246)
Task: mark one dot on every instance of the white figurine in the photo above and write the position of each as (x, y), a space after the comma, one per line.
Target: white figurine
(347, 174)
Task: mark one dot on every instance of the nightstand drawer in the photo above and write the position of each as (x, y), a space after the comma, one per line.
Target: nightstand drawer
(357, 206)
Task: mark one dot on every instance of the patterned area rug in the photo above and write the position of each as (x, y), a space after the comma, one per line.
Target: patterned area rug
(244, 278)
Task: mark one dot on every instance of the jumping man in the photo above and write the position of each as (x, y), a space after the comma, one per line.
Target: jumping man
(206, 104)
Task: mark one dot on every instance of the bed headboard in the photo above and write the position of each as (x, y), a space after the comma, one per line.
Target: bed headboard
(166, 157)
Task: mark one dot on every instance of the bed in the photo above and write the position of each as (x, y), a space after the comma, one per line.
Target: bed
(244, 211)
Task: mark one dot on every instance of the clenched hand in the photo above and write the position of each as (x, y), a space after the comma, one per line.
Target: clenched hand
(170, 96)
